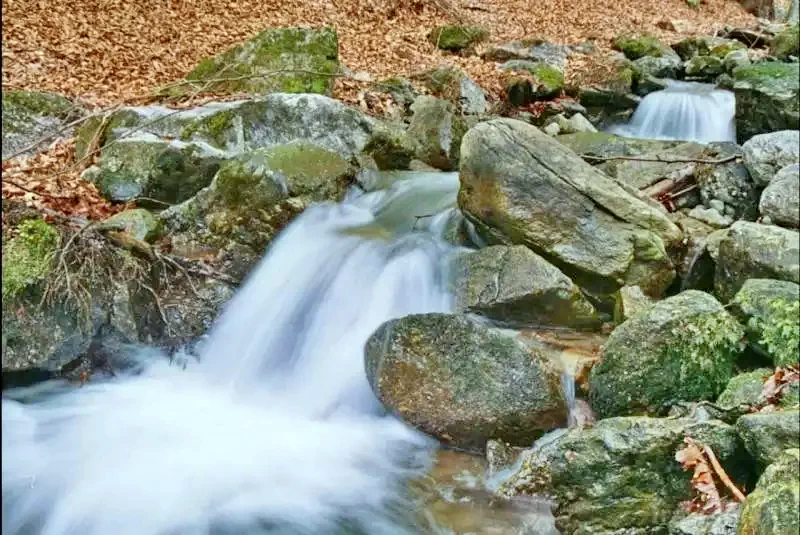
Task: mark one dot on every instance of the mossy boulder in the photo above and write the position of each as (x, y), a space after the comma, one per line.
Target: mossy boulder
(755, 251)
(464, 382)
(139, 223)
(534, 81)
(769, 309)
(630, 301)
(519, 186)
(453, 84)
(680, 349)
(620, 476)
(251, 198)
(390, 147)
(639, 46)
(147, 166)
(669, 66)
(515, 285)
(787, 43)
(779, 199)
(767, 434)
(31, 115)
(255, 66)
(744, 389)
(435, 131)
(613, 92)
(704, 68)
(700, 523)
(28, 256)
(706, 46)
(767, 98)
(455, 37)
(771, 509)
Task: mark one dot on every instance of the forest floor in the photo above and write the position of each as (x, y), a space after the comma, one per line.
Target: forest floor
(113, 52)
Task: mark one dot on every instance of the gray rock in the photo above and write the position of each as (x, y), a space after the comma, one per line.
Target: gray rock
(463, 382)
(29, 116)
(315, 52)
(453, 84)
(680, 349)
(552, 129)
(766, 154)
(576, 123)
(660, 67)
(515, 285)
(711, 217)
(771, 509)
(753, 251)
(620, 476)
(435, 132)
(729, 182)
(735, 59)
(779, 200)
(767, 98)
(722, 523)
(606, 145)
(767, 434)
(141, 224)
(519, 186)
(630, 301)
(744, 389)
(532, 50)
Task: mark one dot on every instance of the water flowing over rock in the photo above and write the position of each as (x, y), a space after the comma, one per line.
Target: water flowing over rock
(680, 349)
(463, 382)
(515, 285)
(754, 251)
(521, 187)
(779, 198)
(621, 475)
(686, 111)
(766, 154)
(771, 509)
(767, 98)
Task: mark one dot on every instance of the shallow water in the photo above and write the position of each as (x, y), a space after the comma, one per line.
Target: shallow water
(274, 428)
(684, 111)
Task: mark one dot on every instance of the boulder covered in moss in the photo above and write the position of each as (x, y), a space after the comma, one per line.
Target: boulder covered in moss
(463, 382)
(435, 131)
(251, 198)
(515, 285)
(769, 309)
(779, 199)
(630, 301)
(767, 434)
(787, 43)
(744, 389)
(277, 60)
(390, 147)
(29, 116)
(614, 91)
(534, 81)
(620, 476)
(771, 509)
(700, 523)
(755, 251)
(150, 167)
(704, 68)
(453, 84)
(141, 224)
(639, 46)
(455, 37)
(519, 186)
(767, 98)
(669, 66)
(680, 349)
(766, 154)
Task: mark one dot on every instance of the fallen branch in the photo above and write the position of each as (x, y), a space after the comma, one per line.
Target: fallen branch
(722, 475)
(657, 159)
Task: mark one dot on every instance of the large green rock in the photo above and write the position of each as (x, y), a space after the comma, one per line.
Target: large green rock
(779, 199)
(744, 389)
(680, 349)
(639, 46)
(754, 251)
(767, 98)
(139, 223)
(147, 166)
(31, 115)
(436, 131)
(456, 37)
(515, 285)
(704, 68)
(519, 186)
(278, 60)
(251, 198)
(767, 434)
(620, 476)
(770, 312)
(771, 509)
(538, 81)
(787, 43)
(463, 382)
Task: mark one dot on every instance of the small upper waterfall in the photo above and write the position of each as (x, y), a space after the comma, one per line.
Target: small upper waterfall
(686, 111)
(275, 430)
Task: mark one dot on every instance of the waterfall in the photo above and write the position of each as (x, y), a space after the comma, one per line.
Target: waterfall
(275, 429)
(685, 111)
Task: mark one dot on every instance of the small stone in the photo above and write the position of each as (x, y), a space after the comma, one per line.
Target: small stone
(711, 217)
(717, 205)
(552, 129)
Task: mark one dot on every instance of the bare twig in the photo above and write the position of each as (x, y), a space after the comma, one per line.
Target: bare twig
(658, 159)
(723, 476)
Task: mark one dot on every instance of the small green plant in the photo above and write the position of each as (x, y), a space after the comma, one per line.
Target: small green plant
(28, 256)
(780, 332)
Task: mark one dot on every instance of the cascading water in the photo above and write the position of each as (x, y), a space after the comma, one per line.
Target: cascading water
(275, 430)
(684, 111)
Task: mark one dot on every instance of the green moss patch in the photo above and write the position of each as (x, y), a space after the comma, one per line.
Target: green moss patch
(457, 37)
(27, 258)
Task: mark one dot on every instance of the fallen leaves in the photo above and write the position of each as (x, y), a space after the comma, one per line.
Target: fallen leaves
(704, 463)
(775, 386)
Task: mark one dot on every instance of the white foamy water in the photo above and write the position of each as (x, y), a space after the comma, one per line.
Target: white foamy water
(275, 430)
(684, 111)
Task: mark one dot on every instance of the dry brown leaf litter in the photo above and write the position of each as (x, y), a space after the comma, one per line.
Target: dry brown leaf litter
(111, 51)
